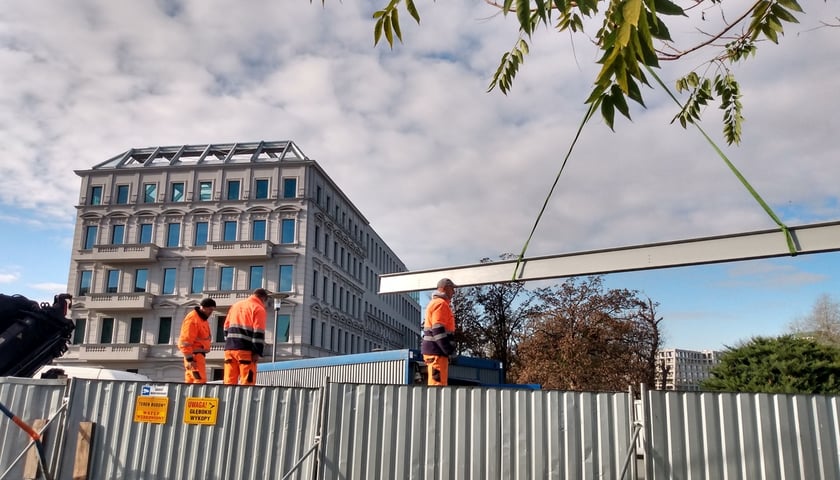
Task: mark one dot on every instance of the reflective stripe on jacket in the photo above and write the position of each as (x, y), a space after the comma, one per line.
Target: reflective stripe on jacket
(245, 326)
(438, 328)
(195, 333)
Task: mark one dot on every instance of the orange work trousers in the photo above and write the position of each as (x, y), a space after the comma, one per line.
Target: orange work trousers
(240, 367)
(437, 367)
(197, 375)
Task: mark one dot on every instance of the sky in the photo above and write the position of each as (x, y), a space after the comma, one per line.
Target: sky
(444, 171)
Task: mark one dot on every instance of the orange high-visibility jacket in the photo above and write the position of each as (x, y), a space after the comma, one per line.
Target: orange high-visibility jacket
(245, 326)
(195, 334)
(438, 328)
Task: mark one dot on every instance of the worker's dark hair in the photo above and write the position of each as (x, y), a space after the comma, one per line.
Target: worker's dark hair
(208, 302)
(261, 293)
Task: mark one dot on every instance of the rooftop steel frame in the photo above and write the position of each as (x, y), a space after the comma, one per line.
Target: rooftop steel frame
(812, 238)
(218, 153)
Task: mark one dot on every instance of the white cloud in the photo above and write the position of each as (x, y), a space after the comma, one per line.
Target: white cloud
(445, 172)
(9, 277)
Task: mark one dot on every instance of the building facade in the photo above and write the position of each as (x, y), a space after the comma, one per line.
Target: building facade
(160, 228)
(683, 370)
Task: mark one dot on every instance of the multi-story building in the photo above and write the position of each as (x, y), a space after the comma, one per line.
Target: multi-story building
(160, 228)
(684, 369)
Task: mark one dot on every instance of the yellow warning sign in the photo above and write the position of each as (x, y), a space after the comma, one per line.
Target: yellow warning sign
(201, 411)
(150, 409)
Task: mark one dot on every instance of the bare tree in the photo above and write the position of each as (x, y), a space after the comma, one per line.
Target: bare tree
(822, 324)
(586, 338)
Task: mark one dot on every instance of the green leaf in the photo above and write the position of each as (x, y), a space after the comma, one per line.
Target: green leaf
(412, 10)
(377, 31)
(783, 14)
(389, 34)
(395, 22)
(790, 5)
(608, 111)
(619, 101)
(523, 13)
(666, 7)
(506, 6)
(542, 12)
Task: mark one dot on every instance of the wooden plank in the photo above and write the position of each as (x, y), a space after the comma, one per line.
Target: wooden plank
(84, 447)
(31, 469)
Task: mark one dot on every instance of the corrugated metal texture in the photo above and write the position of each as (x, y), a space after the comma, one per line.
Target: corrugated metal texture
(30, 400)
(742, 436)
(260, 432)
(483, 376)
(387, 372)
(390, 431)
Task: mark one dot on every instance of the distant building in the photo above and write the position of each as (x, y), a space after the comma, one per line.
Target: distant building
(683, 370)
(160, 228)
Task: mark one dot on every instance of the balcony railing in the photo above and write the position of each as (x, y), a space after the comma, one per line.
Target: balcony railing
(127, 253)
(133, 351)
(118, 301)
(239, 250)
(228, 297)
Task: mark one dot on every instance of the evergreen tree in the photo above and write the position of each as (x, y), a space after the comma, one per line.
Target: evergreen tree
(786, 364)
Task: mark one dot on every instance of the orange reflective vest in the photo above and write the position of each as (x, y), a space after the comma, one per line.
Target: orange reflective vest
(195, 334)
(245, 326)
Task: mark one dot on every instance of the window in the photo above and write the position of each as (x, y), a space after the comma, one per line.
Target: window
(149, 193)
(117, 234)
(226, 278)
(177, 192)
(318, 194)
(205, 191)
(145, 233)
(312, 325)
(107, 333)
(173, 234)
(289, 187)
(200, 234)
(229, 231)
(90, 237)
(317, 240)
(122, 194)
(255, 279)
(168, 281)
(286, 272)
(79, 332)
(287, 231)
(164, 330)
(261, 188)
(258, 230)
(197, 285)
(282, 334)
(136, 330)
(314, 283)
(220, 328)
(113, 281)
(141, 276)
(84, 282)
(233, 190)
(96, 195)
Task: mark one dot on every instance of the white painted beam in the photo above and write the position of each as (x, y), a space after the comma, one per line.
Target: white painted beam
(814, 238)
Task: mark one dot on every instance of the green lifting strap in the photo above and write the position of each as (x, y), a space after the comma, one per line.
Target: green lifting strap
(521, 256)
(785, 230)
(592, 107)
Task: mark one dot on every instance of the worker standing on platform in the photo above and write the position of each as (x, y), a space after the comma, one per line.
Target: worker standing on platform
(438, 346)
(194, 341)
(245, 338)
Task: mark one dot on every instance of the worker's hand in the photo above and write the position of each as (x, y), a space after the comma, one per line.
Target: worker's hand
(255, 358)
(191, 365)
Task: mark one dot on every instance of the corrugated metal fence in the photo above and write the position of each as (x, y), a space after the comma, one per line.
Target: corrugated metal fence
(406, 431)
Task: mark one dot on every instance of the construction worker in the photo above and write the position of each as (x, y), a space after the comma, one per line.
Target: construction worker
(194, 341)
(245, 338)
(438, 346)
